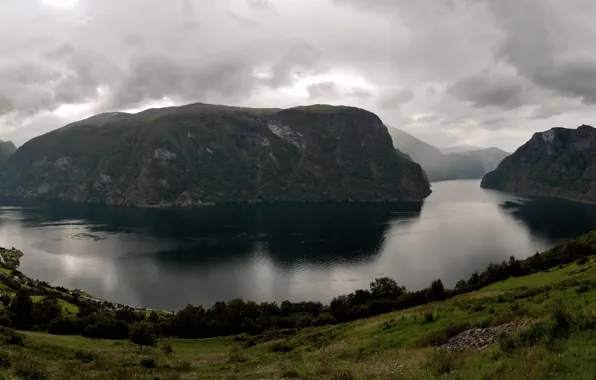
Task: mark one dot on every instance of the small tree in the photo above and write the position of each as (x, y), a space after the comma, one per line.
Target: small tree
(167, 349)
(142, 334)
(436, 292)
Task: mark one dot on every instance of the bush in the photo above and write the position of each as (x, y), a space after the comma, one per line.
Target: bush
(236, 356)
(29, 368)
(442, 361)
(344, 375)
(148, 363)
(428, 318)
(167, 349)
(582, 260)
(281, 346)
(5, 359)
(84, 356)
(290, 374)
(440, 337)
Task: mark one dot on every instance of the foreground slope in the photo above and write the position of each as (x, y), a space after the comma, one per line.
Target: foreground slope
(201, 153)
(557, 163)
(439, 166)
(556, 341)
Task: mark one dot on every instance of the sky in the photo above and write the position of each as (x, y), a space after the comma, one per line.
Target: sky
(451, 72)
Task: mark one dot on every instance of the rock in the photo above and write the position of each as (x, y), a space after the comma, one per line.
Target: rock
(479, 339)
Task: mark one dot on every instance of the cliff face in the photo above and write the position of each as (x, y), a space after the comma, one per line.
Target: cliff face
(203, 153)
(7, 149)
(558, 163)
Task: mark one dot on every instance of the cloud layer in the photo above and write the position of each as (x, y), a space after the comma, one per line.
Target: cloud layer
(488, 72)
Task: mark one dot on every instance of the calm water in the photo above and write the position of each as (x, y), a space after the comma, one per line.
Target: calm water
(167, 258)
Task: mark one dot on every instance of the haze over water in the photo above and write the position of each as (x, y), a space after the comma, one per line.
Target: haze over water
(167, 258)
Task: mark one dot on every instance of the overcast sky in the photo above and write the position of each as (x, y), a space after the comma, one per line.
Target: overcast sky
(476, 72)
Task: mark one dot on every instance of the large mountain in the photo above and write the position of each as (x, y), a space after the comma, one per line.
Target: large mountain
(202, 153)
(559, 163)
(7, 148)
(442, 167)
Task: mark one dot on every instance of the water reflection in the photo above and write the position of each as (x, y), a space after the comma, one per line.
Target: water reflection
(168, 258)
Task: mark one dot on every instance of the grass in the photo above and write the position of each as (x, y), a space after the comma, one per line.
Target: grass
(399, 345)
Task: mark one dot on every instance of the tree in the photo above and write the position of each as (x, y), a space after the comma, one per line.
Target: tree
(167, 349)
(436, 292)
(21, 308)
(386, 288)
(142, 334)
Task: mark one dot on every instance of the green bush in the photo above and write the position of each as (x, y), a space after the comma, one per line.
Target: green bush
(443, 361)
(5, 359)
(29, 368)
(281, 346)
(290, 374)
(84, 356)
(148, 363)
(428, 318)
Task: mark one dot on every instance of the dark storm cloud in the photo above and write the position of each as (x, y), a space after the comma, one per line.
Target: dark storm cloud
(486, 89)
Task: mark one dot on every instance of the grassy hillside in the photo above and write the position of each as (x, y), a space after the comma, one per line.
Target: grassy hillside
(555, 341)
(400, 345)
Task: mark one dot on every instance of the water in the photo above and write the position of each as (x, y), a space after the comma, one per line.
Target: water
(165, 258)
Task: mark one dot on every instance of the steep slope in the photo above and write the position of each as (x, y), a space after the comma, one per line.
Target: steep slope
(438, 166)
(559, 163)
(203, 153)
(7, 148)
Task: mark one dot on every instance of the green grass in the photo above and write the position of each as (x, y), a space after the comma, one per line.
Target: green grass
(398, 345)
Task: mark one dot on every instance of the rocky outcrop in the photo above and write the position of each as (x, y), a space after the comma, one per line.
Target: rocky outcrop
(479, 339)
(557, 163)
(205, 154)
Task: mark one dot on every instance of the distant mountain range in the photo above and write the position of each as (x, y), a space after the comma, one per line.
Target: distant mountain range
(439, 166)
(205, 154)
(560, 162)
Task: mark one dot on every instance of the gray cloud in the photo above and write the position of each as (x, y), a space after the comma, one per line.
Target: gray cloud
(395, 99)
(480, 72)
(485, 89)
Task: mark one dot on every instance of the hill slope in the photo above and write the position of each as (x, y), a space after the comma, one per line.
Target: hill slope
(442, 167)
(202, 153)
(558, 163)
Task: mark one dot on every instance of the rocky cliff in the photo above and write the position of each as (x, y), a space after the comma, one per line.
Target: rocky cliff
(201, 154)
(558, 163)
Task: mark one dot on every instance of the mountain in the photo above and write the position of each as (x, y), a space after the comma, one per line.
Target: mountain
(203, 154)
(443, 167)
(459, 149)
(7, 148)
(560, 163)
(490, 157)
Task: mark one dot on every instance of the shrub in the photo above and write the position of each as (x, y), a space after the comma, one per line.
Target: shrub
(281, 346)
(148, 363)
(428, 318)
(236, 356)
(84, 356)
(442, 336)
(442, 361)
(290, 374)
(29, 368)
(344, 375)
(582, 260)
(167, 349)
(5, 359)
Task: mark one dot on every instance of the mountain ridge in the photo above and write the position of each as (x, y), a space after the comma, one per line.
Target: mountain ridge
(559, 162)
(205, 154)
(440, 166)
